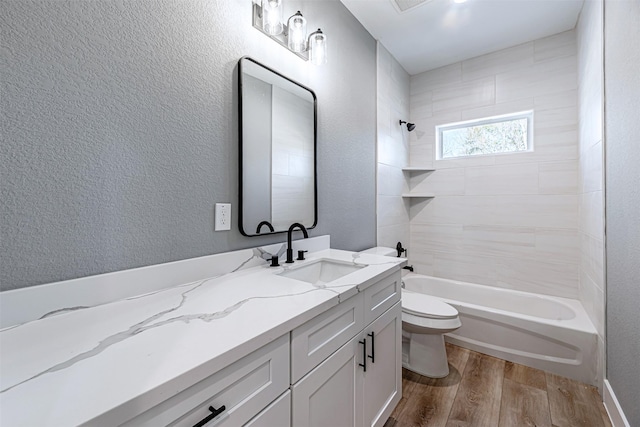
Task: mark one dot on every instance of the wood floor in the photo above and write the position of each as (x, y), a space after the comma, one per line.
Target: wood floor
(482, 391)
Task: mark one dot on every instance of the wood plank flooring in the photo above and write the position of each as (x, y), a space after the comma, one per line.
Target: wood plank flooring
(483, 391)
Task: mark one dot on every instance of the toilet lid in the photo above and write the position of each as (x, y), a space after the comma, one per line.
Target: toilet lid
(427, 306)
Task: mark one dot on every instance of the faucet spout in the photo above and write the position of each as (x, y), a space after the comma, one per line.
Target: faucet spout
(289, 248)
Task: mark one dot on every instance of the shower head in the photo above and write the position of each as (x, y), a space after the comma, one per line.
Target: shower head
(410, 126)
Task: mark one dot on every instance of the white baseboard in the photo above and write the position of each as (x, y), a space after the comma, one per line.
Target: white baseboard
(613, 407)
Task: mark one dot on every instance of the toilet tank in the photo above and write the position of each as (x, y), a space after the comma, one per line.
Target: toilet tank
(381, 250)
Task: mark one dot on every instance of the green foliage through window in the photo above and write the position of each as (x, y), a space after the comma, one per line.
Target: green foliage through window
(504, 134)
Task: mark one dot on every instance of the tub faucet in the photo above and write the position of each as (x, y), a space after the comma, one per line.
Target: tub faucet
(289, 248)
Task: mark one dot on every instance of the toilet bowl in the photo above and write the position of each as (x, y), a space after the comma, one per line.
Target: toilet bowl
(425, 320)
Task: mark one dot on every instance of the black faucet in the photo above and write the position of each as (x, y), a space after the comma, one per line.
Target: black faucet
(289, 249)
(400, 249)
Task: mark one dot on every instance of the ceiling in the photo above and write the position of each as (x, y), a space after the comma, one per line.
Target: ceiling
(432, 33)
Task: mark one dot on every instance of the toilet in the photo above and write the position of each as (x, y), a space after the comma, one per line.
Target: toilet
(425, 320)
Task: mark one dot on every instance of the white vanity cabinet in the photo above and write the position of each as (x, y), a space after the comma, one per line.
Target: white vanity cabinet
(360, 383)
(243, 388)
(341, 368)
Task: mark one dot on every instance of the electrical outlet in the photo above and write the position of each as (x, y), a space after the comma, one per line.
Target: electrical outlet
(223, 216)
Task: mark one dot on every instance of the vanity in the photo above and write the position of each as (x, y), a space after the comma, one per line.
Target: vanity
(316, 342)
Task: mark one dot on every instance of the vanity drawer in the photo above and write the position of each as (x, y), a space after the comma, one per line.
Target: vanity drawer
(278, 414)
(381, 296)
(317, 339)
(244, 388)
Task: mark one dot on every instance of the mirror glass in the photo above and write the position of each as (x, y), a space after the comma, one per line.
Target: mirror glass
(277, 151)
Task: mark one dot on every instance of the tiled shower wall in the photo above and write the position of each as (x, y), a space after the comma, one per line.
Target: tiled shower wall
(393, 150)
(590, 179)
(507, 220)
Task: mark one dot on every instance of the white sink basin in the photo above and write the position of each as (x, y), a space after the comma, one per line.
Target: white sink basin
(321, 272)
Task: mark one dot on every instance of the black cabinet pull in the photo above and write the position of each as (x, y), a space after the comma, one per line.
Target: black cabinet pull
(214, 413)
(373, 348)
(364, 354)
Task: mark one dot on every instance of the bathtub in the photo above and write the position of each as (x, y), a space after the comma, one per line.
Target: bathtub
(544, 332)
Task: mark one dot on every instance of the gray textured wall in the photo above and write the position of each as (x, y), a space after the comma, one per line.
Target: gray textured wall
(622, 136)
(119, 131)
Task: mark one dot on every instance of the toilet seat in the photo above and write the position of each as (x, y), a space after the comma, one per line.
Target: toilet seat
(422, 305)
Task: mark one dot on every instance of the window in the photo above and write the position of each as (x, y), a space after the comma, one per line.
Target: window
(500, 134)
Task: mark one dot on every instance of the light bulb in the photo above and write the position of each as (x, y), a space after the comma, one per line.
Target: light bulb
(297, 36)
(318, 47)
(272, 17)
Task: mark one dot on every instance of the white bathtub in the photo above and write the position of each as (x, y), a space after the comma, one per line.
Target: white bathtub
(549, 333)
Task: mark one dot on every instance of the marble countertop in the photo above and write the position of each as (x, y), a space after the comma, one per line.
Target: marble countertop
(108, 363)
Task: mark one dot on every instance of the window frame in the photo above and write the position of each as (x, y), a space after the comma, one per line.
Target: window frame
(483, 121)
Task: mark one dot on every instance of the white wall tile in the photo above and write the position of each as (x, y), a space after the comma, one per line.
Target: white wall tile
(504, 60)
(591, 213)
(559, 245)
(564, 99)
(556, 46)
(441, 182)
(454, 210)
(467, 268)
(503, 220)
(592, 259)
(593, 299)
(435, 78)
(591, 161)
(558, 177)
(475, 93)
(498, 109)
(498, 240)
(502, 179)
(392, 210)
(541, 78)
(590, 96)
(391, 181)
(392, 150)
(430, 238)
(559, 279)
(544, 211)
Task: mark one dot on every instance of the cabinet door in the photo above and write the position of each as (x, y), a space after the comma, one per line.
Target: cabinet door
(331, 394)
(314, 341)
(382, 382)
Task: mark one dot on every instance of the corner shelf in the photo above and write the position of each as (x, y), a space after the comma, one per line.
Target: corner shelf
(418, 195)
(417, 169)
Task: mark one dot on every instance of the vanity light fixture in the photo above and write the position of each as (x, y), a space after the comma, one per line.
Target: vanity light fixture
(267, 17)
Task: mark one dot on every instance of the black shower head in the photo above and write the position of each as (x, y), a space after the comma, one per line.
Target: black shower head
(410, 126)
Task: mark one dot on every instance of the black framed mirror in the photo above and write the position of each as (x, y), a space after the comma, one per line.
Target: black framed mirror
(278, 125)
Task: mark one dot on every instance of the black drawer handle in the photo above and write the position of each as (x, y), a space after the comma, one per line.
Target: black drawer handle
(214, 413)
(364, 354)
(373, 348)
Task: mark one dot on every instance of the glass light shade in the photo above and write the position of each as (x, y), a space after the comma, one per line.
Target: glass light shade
(272, 17)
(318, 47)
(297, 33)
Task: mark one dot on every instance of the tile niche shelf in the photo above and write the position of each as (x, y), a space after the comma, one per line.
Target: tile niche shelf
(417, 195)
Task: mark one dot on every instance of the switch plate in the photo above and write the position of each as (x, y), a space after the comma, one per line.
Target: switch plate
(223, 216)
